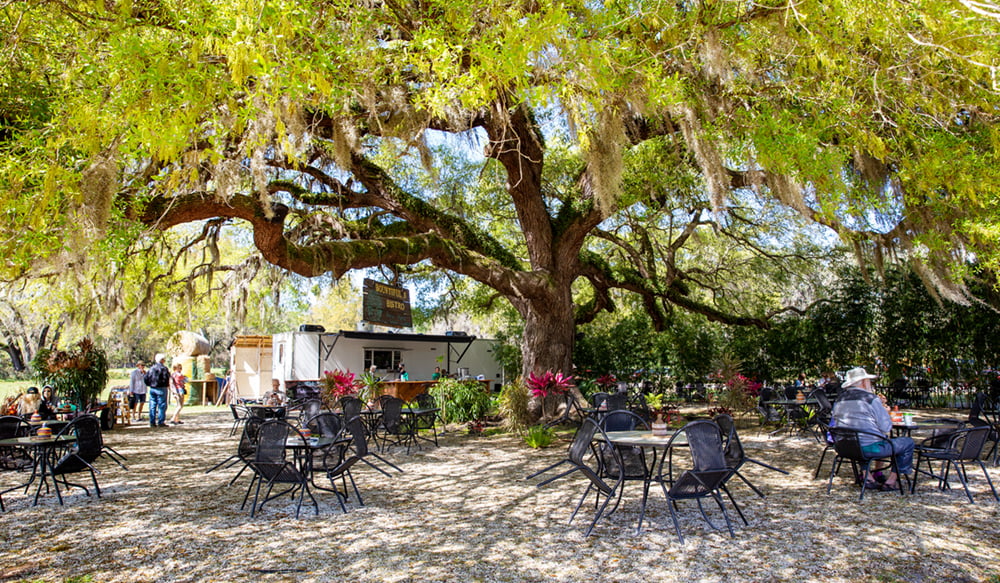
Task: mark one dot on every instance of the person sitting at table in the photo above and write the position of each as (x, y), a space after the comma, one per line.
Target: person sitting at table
(29, 403)
(47, 408)
(275, 397)
(860, 408)
(437, 374)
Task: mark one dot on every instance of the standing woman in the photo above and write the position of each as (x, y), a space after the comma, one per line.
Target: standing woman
(177, 386)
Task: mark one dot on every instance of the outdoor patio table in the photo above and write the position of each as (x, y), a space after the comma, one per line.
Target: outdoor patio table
(305, 452)
(42, 449)
(646, 440)
(925, 425)
(787, 404)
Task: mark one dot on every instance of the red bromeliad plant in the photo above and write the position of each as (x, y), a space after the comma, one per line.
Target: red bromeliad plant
(548, 383)
(606, 381)
(339, 384)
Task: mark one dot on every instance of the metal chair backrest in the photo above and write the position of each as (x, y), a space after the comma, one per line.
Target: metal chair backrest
(310, 409)
(87, 429)
(617, 401)
(356, 428)
(271, 443)
(239, 412)
(967, 444)
(732, 447)
(976, 409)
(597, 398)
(621, 420)
(351, 406)
(13, 426)
(392, 414)
(325, 424)
(426, 401)
(247, 447)
(705, 442)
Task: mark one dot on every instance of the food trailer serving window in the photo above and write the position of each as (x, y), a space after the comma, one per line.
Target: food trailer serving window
(382, 358)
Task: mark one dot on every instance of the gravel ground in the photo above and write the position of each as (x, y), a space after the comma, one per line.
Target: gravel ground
(463, 512)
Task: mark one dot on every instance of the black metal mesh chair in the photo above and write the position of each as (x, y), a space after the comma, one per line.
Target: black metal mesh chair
(272, 466)
(629, 461)
(847, 444)
(734, 453)
(706, 478)
(584, 459)
(427, 421)
(963, 445)
(325, 425)
(240, 415)
(341, 467)
(13, 457)
(78, 457)
(309, 409)
(768, 413)
(394, 427)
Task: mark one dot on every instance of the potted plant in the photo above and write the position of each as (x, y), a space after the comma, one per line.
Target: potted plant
(77, 375)
(338, 384)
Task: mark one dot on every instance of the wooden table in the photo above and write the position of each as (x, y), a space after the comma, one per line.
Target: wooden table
(206, 388)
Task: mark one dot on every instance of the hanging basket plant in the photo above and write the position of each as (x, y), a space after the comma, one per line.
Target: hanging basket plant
(77, 375)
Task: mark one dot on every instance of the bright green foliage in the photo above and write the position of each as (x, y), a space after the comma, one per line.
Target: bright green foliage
(539, 436)
(79, 375)
(657, 149)
(513, 406)
(461, 401)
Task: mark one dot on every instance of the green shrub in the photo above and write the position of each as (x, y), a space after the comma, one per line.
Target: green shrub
(539, 436)
(513, 406)
(461, 401)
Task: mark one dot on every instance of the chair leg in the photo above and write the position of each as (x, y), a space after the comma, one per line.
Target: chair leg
(979, 461)
(677, 524)
(752, 487)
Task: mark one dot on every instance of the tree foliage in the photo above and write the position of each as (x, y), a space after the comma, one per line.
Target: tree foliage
(615, 137)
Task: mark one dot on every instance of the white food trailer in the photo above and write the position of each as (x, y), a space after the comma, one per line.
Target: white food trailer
(305, 355)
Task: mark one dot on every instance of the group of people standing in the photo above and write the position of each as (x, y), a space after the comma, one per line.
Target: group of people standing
(158, 383)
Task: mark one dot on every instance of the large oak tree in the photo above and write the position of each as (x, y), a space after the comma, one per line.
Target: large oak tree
(874, 119)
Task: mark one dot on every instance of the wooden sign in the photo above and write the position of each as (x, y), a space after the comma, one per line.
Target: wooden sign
(387, 305)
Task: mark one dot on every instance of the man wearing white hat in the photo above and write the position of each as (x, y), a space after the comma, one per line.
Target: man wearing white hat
(860, 408)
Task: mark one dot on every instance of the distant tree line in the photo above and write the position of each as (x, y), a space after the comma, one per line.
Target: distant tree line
(891, 324)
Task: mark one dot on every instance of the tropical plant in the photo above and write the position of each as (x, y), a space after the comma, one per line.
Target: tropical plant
(79, 375)
(461, 401)
(539, 436)
(548, 383)
(370, 385)
(513, 406)
(337, 384)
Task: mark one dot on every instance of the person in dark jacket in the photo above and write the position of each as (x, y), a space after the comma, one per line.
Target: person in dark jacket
(158, 380)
